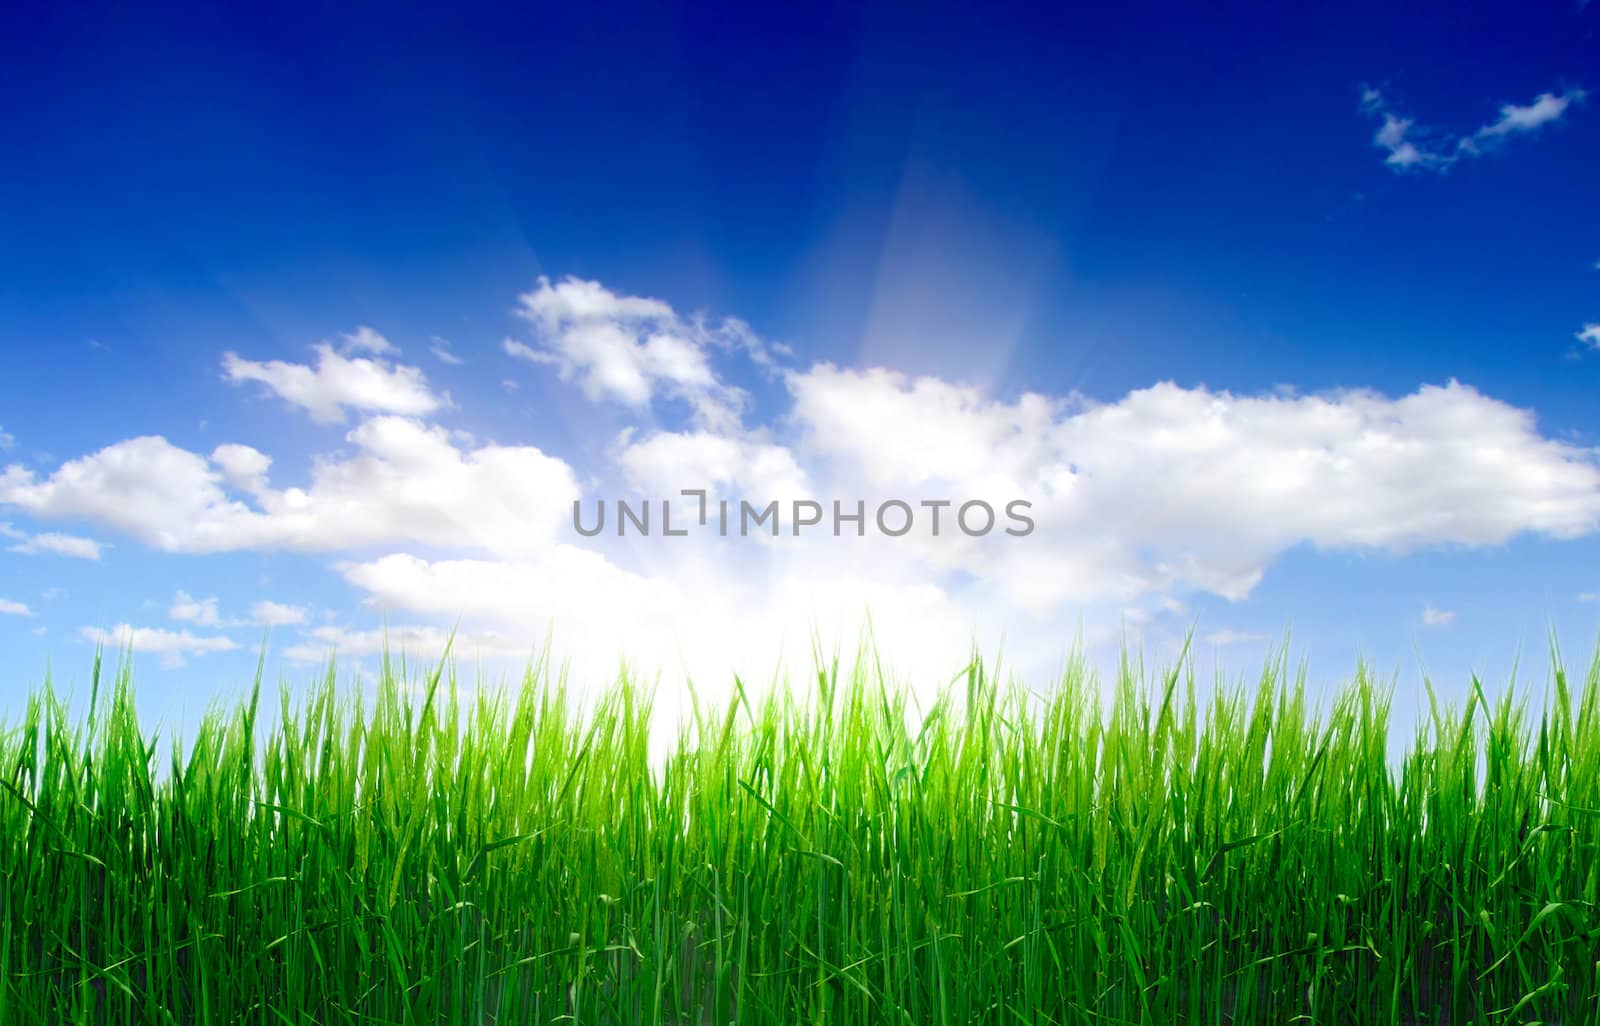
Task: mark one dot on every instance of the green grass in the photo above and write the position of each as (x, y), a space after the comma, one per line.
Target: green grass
(1167, 853)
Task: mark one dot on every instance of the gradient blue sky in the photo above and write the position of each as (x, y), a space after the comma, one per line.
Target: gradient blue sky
(1245, 202)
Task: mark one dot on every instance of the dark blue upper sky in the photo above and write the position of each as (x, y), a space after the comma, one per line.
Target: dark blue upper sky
(1188, 187)
(1070, 198)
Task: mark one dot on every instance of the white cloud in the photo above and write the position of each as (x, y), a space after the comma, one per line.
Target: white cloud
(663, 464)
(1197, 489)
(440, 348)
(418, 642)
(1403, 152)
(243, 467)
(1544, 109)
(1434, 617)
(206, 612)
(10, 608)
(1590, 335)
(1165, 491)
(567, 582)
(405, 482)
(629, 349)
(202, 612)
(366, 340)
(60, 545)
(1139, 502)
(8, 441)
(276, 614)
(1588, 596)
(704, 617)
(901, 431)
(1228, 636)
(338, 383)
(172, 646)
(1411, 146)
(50, 543)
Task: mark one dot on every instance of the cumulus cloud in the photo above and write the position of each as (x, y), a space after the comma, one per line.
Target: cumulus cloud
(341, 382)
(1200, 489)
(366, 340)
(172, 646)
(277, 614)
(704, 617)
(1139, 501)
(1590, 335)
(630, 349)
(1411, 146)
(242, 467)
(11, 608)
(1165, 491)
(206, 612)
(188, 609)
(664, 463)
(567, 582)
(405, 482)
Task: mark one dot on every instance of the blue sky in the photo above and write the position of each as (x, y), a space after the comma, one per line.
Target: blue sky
(1235, 256)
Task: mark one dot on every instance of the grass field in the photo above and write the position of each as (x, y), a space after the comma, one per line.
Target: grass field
(1168, 852)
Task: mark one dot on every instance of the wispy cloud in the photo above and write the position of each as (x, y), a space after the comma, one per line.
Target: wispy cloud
(1590, 335)
(10, 608)
(1230, 636)
(57, 544)
(440, 348)
(420, 641)
(50, 543)
(172, 646)
(1412, 146)
(1435, 617)
(206, 612)
(1545, 108)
